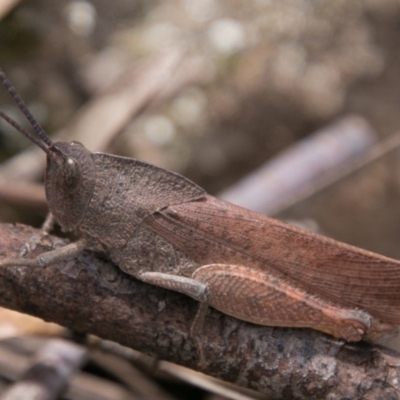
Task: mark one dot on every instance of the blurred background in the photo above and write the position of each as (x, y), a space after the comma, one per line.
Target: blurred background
(214, 90)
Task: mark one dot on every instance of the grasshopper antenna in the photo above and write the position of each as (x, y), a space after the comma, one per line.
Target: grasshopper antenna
(24, 132)
(45, 140)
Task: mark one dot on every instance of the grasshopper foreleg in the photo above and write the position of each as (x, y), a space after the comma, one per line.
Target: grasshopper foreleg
(64, 253)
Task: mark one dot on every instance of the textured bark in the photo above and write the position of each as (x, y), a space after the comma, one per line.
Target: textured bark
(92, 295)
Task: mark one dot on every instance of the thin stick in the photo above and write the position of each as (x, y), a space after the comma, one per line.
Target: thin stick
(378, 151)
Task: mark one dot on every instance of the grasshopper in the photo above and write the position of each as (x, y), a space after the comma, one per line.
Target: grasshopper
(163, 229)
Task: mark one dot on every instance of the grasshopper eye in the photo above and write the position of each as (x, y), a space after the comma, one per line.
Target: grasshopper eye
(72, 173)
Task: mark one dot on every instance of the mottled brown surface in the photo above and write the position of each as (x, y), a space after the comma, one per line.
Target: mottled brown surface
(93, 296)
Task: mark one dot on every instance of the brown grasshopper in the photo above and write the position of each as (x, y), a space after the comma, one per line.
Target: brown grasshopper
(165, 230)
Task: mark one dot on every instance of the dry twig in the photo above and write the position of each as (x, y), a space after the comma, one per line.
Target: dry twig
(48, 375)
(15, 359)
(6, 6)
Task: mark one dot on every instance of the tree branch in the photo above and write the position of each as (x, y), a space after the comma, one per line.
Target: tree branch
(91, 295)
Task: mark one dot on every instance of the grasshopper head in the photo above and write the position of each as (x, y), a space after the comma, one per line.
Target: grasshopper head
(70, 180)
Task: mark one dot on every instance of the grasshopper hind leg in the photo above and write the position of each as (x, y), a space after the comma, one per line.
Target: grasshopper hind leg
(263, 299)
